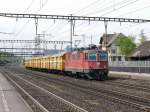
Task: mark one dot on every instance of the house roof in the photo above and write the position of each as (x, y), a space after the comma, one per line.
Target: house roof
(142, 51)
(109, 38)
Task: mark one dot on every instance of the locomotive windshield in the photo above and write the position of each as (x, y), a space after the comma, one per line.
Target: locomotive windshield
(102, 56)
(90, 56)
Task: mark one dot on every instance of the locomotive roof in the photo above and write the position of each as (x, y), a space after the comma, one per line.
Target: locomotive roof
(86, 51)
(93, 50)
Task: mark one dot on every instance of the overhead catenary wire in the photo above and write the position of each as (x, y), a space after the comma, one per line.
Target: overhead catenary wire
(111, 6)
(28, 7)
(134, 11)
(92, 7)
(122, 7)
(107, 8)
(104, 6)
(42, 5)
(119, 8)
(87, 7)
(30, 19)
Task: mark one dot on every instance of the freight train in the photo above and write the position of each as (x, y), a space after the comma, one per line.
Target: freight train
(92, 64)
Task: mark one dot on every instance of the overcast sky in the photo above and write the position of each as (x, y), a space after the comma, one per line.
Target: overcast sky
(59, 29)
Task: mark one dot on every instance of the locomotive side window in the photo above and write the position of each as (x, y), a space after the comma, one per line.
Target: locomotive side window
(92, 56)
(103, 56)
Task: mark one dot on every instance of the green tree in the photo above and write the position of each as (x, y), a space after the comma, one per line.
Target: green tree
(126, 44)
(143, 38)
(132, 38)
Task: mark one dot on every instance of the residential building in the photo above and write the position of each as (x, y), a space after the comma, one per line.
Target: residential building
(108, 42)
(141, 53)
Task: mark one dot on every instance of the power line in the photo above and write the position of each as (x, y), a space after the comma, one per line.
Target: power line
(82, 9)
(119, 8)
(135, 10)
(42, 6)
(30, 19)
(98, 4)
(131, 11)
(29, 6)
(91, 4)
(105, 7)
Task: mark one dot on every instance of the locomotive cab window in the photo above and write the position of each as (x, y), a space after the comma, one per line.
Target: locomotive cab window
(103, 56)
(90, 56)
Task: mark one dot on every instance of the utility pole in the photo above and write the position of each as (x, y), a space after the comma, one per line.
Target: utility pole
(61, 47)
(83, 36)
(105, 44)
(91, 39)
(77, 42)
(44, 43)
(71, 30)
(36, 35)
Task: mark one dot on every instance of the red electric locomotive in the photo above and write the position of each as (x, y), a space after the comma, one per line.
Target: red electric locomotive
(92, 64)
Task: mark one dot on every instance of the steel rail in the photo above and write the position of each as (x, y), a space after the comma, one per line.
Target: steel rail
(136, 86)
(19, 88)
(99, 93)
(133, 104)
(73, 106)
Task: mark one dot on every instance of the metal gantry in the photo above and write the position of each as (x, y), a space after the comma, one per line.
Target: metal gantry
(71, 19)
(26, 47)
(33, 41)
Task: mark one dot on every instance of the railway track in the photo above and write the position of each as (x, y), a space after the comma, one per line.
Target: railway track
(123, 84)
(40, 99)
(139, 102)
(133, 101)
(132, 86)
(77, 96)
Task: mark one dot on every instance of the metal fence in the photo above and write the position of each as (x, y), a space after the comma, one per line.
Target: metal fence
(130, 66)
